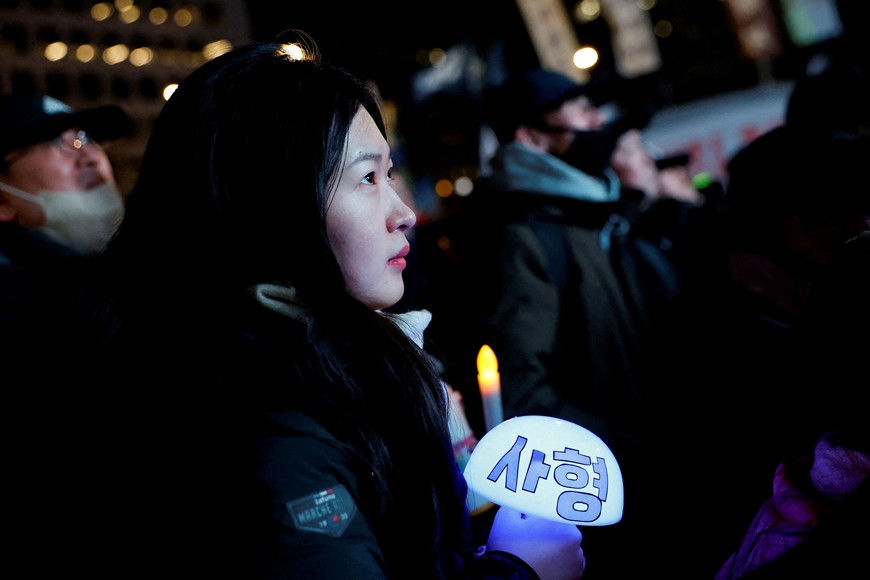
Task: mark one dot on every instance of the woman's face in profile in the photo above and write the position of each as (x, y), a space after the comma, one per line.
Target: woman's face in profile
(366, 220)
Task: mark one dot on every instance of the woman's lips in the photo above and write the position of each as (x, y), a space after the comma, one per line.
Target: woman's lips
(399, 259)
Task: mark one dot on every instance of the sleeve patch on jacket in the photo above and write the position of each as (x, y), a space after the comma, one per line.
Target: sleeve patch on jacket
(325, 512)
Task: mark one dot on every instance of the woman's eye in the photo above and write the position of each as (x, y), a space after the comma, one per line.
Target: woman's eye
(390, 174)
(369, 179)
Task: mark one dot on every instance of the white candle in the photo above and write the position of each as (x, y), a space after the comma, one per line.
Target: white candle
(490, 387)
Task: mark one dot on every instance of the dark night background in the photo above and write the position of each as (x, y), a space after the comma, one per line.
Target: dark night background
(381, 40)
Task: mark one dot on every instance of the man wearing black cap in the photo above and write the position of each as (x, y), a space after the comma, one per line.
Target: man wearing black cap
(58, 200)
(59, 206)
(555, 281)
(569, 302)
(55, 177)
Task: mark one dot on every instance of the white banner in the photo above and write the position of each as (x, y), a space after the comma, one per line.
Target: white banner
(713, 129)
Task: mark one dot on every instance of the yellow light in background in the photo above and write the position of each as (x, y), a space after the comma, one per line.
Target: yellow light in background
(443, 188)
(122, 5)
(436, 56)
(102, 11)
(55, 51)
(663, 28)
(115, 54)
(86, 53)
(585, 58)
(141, 56)
(646, 4)
(216, 48)
(183, 17)
(129, 15)
(168, 90)
(587, 10)
(158, 16)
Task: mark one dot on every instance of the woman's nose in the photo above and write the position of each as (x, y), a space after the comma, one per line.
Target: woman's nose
(402, 217)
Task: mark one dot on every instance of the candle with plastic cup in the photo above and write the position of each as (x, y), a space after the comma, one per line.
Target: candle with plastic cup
(490, 387)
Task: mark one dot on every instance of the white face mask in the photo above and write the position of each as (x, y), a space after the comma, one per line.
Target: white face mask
(82, 220)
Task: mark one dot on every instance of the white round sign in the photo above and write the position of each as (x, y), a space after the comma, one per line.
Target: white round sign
(548, 468)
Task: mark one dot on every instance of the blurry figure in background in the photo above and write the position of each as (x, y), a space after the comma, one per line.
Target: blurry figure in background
(59, 206)
(304, 433)
(637, 169)
(551, 276)
(681, 218)
(731, 353)
(814, 525)
(56, 180)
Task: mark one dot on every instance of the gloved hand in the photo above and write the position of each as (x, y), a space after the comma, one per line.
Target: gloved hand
(551, 548)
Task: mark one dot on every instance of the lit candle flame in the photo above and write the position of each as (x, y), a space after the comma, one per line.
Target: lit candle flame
(490, 387)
